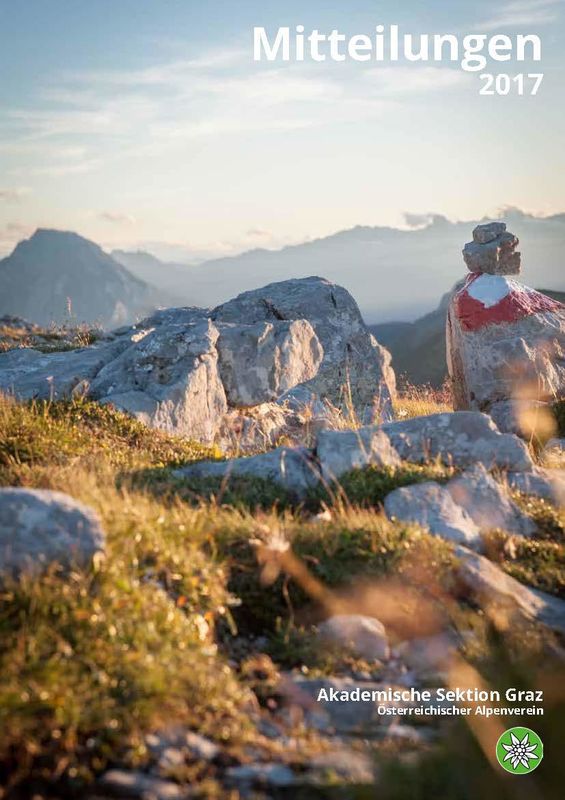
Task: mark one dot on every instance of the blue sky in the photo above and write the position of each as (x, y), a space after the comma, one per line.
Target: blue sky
(146, 123)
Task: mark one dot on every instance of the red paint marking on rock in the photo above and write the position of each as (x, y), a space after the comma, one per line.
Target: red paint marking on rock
(474, 315)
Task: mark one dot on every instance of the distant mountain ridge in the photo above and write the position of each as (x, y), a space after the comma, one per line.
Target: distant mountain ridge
(393, 274)
(55, 276)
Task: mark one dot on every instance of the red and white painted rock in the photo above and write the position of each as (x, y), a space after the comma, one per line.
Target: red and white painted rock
(504, 339)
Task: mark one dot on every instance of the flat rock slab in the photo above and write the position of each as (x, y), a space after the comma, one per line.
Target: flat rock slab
(432, 507)
(488, 503)
(460, 438)
(341, 451)
(39, 528)
(493, 589)
(294, 469)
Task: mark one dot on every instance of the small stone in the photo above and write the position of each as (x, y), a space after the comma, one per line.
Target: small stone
(275, 775)
(365, 636)
(132, 783)
(488, 232)
(201, 747)
(496, 257)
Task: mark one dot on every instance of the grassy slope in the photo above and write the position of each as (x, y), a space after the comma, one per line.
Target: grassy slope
(89, 663)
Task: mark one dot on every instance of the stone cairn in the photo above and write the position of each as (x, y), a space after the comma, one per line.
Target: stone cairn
(493, 250)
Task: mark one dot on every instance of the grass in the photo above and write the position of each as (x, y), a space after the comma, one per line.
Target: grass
(53, 339)
(164, 630)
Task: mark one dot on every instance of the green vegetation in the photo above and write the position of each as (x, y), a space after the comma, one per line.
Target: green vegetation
(163, 631)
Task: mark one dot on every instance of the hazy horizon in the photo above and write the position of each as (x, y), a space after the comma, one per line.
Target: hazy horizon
(152, 131)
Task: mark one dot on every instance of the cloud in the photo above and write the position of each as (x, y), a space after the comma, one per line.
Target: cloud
(117, 218)
(523, 14)
(12, 195)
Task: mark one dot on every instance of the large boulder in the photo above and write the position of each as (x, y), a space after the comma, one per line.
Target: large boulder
(341, 451)
(355, 369)
(504, 340)
(39, 528)
(300, 344)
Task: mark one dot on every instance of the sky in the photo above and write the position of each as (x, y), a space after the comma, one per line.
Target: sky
(146, 124)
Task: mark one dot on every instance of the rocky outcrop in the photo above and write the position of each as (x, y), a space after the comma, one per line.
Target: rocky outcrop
(39, 528)
(300, 344)
(504, 340)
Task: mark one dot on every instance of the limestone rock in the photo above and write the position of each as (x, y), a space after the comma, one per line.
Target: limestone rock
(136, 784)
(352, 356)
(431, 506)
(30, 374)
(505, 341)
(492, 250)
(547, 484)
(488, 504)
(261, 361)
(39, 528)
(521, 416)
(460, 438)
(495, 590)
(292, 468)
(341, 451)
(168, 379)
(364, 636)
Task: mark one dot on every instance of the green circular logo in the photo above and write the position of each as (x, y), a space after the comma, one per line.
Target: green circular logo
(519, 750)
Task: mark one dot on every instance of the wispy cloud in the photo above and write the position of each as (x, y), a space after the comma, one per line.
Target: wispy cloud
(87, 120)
(523, 14)
(117, 218)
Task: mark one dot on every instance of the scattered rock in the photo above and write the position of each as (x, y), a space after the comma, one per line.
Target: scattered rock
(488, 504)
(427, 653)
(432, 507)
(292, 468)
(275, 775)
(460, 439)
(200, 747)
(499, 593)
(364, 636)
(39, 528)
(132, 783)
(341, 451)
(493, 250)
(547, 484)
(554, 451)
